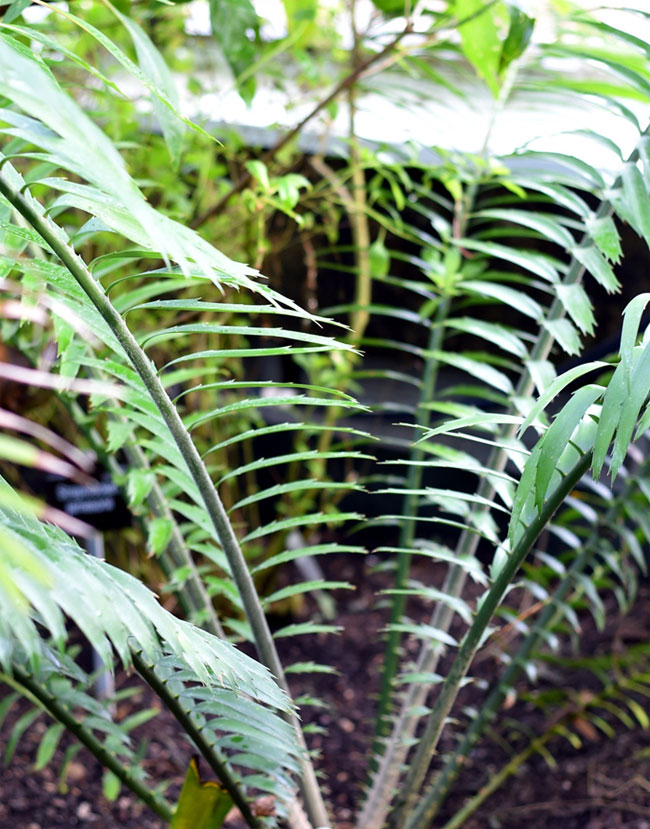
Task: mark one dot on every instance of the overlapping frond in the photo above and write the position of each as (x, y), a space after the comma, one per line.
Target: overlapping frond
(515, 242)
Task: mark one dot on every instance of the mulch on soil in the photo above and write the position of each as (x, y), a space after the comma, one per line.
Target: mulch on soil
(604, 785)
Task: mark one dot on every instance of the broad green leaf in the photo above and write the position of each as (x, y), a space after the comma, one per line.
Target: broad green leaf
(232, 20)
(391, 8)
(480, 37)
(519, 34)
(301, 13)
(379, 259)
(201, 805)
(260, 174)
(288, 187)
(159, 533)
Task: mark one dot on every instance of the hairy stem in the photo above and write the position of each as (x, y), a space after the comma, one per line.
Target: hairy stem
(147, 372)
(546, 621)
(419, 818)
(211, 753)
(387, 775)
(407, 530)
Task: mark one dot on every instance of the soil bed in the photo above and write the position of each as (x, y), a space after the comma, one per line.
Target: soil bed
(604, 785)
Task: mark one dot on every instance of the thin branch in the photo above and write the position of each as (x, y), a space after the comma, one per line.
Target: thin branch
(348, 81)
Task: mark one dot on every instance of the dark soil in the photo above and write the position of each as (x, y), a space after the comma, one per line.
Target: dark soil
(603, 785)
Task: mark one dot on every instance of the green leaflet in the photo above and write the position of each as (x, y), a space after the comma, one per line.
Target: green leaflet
(508, 296)
(598, 267)
(565, 334)
(543, 224)
(604, 233)
(555, 387)
(480, 37)
(617, 392)
(391, 8)
(635, 193)
(231, 21)
(154, 67)
(558, 435)
(631, 321)
(78, 145)
(536, 263)
(577, 305)
(503, 337)
(305, 587)
(159, 532)
(47, 746)
(638, 388)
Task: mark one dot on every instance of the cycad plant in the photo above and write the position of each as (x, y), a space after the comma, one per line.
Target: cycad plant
(494, 239)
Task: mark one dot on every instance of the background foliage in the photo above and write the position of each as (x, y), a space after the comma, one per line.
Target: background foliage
(450, 292)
